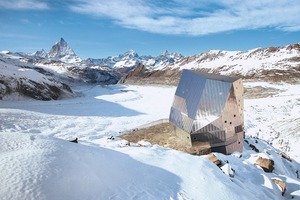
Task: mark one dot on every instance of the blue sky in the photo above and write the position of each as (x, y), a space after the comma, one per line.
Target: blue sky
(100, 28)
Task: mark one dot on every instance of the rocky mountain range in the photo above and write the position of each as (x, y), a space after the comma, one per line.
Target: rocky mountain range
(62, 65)
(269, 64)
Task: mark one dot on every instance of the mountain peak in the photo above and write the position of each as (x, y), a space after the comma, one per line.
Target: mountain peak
(62, 51)
(41, 53)
(130, 54)
(165, 53)
(62, 40)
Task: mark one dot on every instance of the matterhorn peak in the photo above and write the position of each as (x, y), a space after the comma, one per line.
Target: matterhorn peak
(62, 40)
(62, 51)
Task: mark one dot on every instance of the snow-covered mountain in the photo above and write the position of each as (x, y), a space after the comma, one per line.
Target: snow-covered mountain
(273, 64)
(245, 63)
(63, 52)
(42, 54)
(19, 79)
(131, 59)
(60, 65)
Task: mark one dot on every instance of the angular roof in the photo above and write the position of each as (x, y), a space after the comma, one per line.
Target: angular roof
(214, 76)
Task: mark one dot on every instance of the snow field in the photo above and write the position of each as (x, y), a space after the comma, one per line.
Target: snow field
(37, 161)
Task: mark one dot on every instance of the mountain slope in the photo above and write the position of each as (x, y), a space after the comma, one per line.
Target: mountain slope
(268, 64)
(273, 64)
(130, 59)
(17, 78)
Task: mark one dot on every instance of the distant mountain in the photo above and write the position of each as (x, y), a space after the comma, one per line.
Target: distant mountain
(63, 52)
(271, 64)
(19, 79)
(131, 59)
(42, 54)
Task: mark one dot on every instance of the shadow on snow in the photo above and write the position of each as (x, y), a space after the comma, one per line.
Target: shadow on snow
(88, 104)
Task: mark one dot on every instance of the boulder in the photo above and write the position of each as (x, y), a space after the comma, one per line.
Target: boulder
(281, 184)
(214, 159)
(266, 164)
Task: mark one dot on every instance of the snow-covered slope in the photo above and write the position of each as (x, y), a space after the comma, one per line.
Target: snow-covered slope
(60, 64)
(245, 63)
(18, 78)
(38, 162)
(34, 167)
(272, 64)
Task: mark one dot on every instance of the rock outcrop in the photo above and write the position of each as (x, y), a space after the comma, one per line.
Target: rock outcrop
(269, 64)
(266, 164)
(142, 75)
(281, 184)
(17, 78)
(214, 159)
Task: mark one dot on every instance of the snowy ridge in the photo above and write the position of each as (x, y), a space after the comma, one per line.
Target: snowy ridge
(273, 63)
(244, 63)
(18, 78)
(61, 65)
(131, 59)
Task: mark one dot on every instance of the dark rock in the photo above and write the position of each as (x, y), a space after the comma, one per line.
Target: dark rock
(41, 91)
(283, 155)
(142, 75)
(75, 140)
(94, 75)
(253, 148)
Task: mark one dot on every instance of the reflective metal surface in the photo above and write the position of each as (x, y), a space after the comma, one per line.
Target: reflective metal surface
(210, 108)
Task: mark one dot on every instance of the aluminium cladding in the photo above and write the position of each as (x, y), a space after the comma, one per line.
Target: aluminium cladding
(209, 108)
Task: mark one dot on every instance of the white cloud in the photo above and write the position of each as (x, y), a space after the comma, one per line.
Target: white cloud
(195, 17)
(23, 5)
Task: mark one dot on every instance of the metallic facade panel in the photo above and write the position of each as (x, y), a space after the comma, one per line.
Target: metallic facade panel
(190, 88)
(212, 102)
(180, 104)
